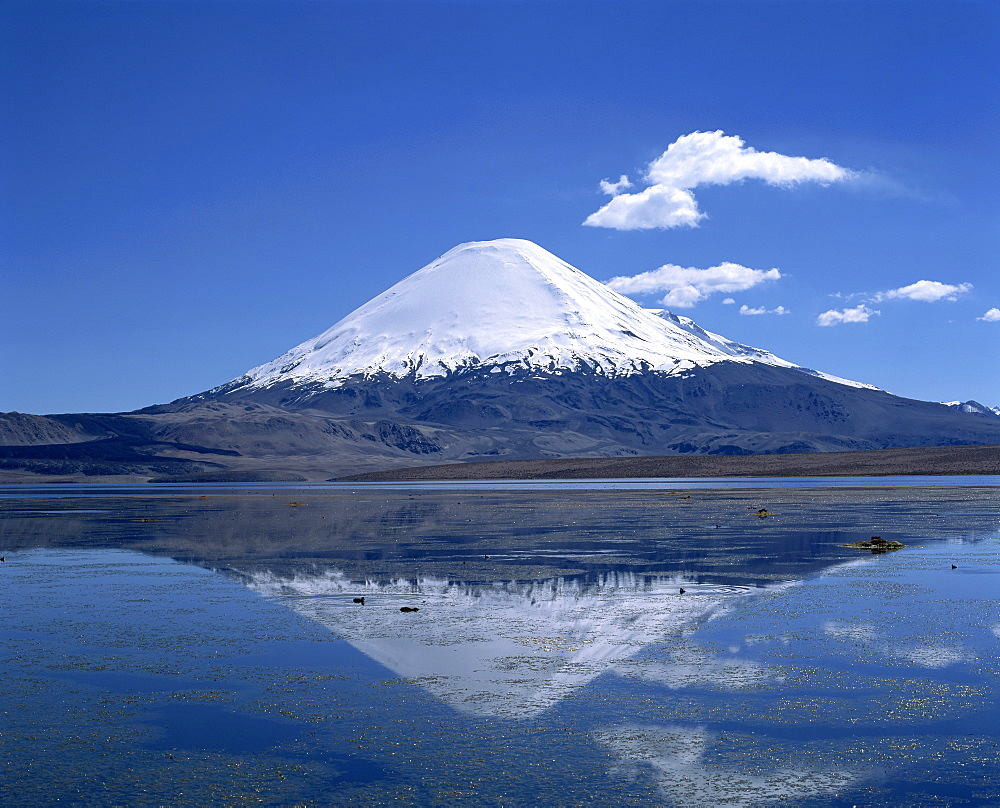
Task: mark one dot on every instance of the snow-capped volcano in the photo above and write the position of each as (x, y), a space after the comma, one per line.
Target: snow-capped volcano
(498, 350)
(505, 305)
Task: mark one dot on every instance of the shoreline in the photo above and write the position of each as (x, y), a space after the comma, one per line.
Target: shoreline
(921, 461)
(978, 460)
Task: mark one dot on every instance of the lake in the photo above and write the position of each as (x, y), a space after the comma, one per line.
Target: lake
(592, 643)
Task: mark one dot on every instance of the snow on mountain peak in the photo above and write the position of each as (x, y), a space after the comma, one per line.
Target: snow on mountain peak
(506, 304)
(972, 407)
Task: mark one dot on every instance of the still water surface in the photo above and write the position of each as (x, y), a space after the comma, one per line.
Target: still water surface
(199, 645)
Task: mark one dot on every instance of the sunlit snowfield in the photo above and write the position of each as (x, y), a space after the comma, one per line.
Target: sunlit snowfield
(202, 645)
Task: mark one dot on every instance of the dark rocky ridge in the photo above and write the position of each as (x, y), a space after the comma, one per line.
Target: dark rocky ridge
(728, 408)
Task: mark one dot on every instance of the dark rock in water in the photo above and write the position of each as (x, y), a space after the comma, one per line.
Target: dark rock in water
(409, 609)
(360, 600)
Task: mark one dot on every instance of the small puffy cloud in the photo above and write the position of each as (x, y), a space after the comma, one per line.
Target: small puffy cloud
(728, 301)
(657, 206)
(992, 316)
(685, 286)
(683, 297)
(859, 314)
(746, 310)
(615, 188)
(702, 158)
(926, 291)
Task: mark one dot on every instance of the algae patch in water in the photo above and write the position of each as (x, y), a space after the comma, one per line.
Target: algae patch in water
(876, 544)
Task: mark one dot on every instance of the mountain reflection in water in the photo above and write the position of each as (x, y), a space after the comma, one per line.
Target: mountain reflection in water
(510, 648)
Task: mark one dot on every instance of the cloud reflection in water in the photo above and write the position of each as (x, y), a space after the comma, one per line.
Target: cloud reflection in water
(675, 757)
(926, 653)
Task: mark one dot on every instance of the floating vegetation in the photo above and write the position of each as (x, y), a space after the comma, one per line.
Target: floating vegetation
(876, 544)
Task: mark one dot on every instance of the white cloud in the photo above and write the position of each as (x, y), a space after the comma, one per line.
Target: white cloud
(728, 301)
(761, 310)
(702, 158)
(926, 291)
(715, 158)
(685, 286)
(683, 297)
(992, 316)
(615, 188)
(859, 314)
(657, 206)
(923, 290)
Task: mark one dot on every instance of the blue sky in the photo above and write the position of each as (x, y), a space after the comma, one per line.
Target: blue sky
(191, 188)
